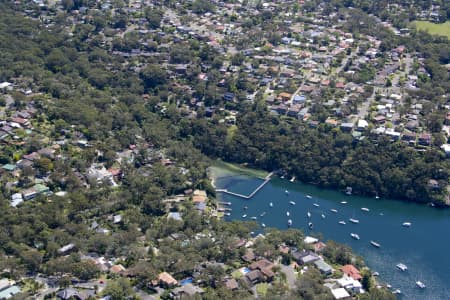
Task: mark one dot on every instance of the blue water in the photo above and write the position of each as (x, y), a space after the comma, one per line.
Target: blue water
(424, 247)
(186, 281)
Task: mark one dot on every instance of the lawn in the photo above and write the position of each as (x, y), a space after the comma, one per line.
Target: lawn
(261, 289)
(225, 167)
(236, 274)
(433, 28)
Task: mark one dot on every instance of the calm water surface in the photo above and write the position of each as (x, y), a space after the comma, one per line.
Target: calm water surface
(424, 247)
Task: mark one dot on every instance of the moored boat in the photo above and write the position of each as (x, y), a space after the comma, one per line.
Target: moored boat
(354, 221)
(334, 210)
(292, 202)
(406, 224)
(342, 222)
(402, 267)
(397, 291)
(262, 214)
(316, 205)
(365, 209)
(354, 235)
(308, 214)
(244, 216)
(309, 196)
(286, 192)
(289, 222)
(420, 284)
(343, 202)
(253, 218)
(323, 216)
(263, 225)
(310, 225)
(288, 213)
(271, 204)
(375, 244)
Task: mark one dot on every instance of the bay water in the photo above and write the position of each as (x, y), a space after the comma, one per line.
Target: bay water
(424, 247)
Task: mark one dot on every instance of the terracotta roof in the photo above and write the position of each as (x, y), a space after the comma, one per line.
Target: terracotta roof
(351, 271)
(166, 278)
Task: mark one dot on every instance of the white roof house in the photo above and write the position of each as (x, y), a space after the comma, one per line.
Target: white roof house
(340, 293)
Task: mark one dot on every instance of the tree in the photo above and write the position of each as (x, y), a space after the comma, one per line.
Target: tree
(154, 17)
(153, 75)
(119, 289)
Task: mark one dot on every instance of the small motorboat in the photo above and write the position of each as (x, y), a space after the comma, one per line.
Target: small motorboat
(263, 225)
(375, 244)
(406, 224)
(309, 196)
(253, 218)
(376, 274)
(244, 216)
(310, 225)
(354, 235)
(288, 213)
(334, 210)
(292, 202)
(262, 214)
(286, 192)
(308, 214)
(342, 222)
(402, 267)
(227, 214)
(289, 222)
(354, 221)
(343, 202)
(396, 291)
(323, 216)
(292, 179)
(316, 205)
(365, 209)
(420, 284)
(271, 204)
(245, 207)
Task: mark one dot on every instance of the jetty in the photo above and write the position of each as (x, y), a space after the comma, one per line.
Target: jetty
(266, 180)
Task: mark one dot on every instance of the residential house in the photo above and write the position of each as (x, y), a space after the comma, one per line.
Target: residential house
(8, 288)
(231, 284)
(323, 267)
(340, 293)
(351, 271)
(305, 257)
(254, 276)
(166, 280)
(187, 290)
(350, 284)
(265, 267)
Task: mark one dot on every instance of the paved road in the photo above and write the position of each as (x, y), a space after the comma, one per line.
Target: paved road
(291, 277)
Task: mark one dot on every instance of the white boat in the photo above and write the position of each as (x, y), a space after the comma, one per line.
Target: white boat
(292, 202)
(263, 225)
(286, 192)
(420, 284)
(375, 244)
(244, 216)
(342, 222)
(288, 213)
(376, 274)
(377, 197)
(334, 210)
(271, 204)
(227, 214)
(402, 267)
(308, 214)
(308, 196)
(310, 225)
(349, 190)
(365, 209)
(289, 222)
(406, 224)
(397, 291)
(343, 202)
(262, 214)
(253, 218)
(354, 235)
(354, 221)
(292, 179)
(323, 216)
(316, 205)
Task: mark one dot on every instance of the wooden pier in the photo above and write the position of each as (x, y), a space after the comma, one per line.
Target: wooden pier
(266, 180)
